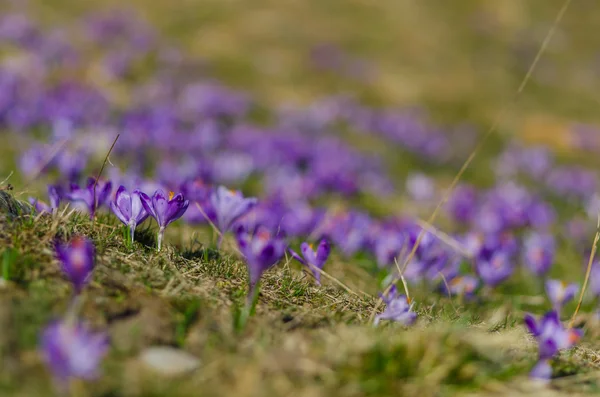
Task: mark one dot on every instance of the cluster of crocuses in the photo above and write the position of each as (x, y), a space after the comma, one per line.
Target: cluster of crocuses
(69, 348)
(183, 132)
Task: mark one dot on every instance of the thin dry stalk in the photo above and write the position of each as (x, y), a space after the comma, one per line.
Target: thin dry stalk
(587, 272)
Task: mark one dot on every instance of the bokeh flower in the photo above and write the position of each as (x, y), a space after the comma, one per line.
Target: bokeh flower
(71, 350)
(398, 308)
(77, 259)
(313, 259)
(92, 195)
(261, 250)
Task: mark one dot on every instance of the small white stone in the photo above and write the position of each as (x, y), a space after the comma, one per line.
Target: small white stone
(169, 361)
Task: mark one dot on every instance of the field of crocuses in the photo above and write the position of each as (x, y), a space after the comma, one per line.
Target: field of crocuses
(268, 198)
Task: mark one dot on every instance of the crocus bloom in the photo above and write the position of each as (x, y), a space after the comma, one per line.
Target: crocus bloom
(551, 337)
(229, 206)
(495, 269)
(53, 195)
(463, 203)
(398, 308)
(261, 250)
(313, 259)
(539, 252)
(420, 187)
(387, 246)
(77, 260)
(70, 350)
(164, 210)
(462, 286)
(129, 209)
(560, 293)
(86, 194)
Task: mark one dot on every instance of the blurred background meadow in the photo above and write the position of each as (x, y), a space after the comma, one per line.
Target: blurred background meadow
(348, 120)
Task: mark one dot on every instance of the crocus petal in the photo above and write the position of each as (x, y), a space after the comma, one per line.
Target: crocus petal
(323, 252)
(137, 208)
(78, 194)
(117, 211)
(161, 206)
(243, 240)
(176, 207)
(296, 256)
(555, 291)
(551, 319)
(54, 196)
(309, 254)
(570, 292)
(542, 370)
(121, 205)
(147, 204)
(531, 324)
(102, 196)
(548, 348)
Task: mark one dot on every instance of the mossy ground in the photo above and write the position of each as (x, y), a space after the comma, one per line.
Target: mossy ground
(460, 62)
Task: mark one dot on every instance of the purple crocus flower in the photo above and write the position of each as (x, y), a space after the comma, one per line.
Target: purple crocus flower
(164, 209)
(53, 195)
(86, 194)
(463, 203)
(229, 206)
(541, 215)
(462, 286)
(350, 231)
(398, 308)
(560, 293)
(387, 246)
(77, 260)
(495, 268)
(551, 337)
(313, 259)
(538, 252)
(70, 350)
(420, 187)
(128, 208)
(261, 250)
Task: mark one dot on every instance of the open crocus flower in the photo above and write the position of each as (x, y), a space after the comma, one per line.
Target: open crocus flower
(261, 250)
(313, 259)
(70, 350)
(229, 206)
(551, 337)
(398, 308)
(539, 252)
(560, 293)
(54, 197)
(129, 209)
(86, 194)
(164, 209)
(77, 260)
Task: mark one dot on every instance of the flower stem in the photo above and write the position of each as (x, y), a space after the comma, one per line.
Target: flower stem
(131, 234)
(161, 233)
(248, 309)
